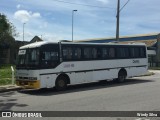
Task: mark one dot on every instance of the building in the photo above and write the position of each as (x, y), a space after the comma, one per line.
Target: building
(151, 40)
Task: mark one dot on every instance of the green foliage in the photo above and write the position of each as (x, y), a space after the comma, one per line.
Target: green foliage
(4, 25)
(7, 29)
(5, 81)
(5, 74)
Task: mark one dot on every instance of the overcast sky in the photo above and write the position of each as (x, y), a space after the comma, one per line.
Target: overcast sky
(52, 19)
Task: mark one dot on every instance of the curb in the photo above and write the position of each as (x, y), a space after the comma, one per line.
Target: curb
(9, 88)
(149, 74)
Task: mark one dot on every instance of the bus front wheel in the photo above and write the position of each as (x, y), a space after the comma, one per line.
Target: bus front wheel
(61, 83)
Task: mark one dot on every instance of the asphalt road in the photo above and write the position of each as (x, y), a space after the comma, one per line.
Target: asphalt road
(136, 94)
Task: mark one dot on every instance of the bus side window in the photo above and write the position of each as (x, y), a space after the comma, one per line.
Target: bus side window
(49, 58)
(99, 53)
(64, 52)
(87, 53)
(142, 52)
(54, 55)
(77, 53)
(105, 53)
(67, 53)
(94, 53)
(132, 52)
(122, 52)
(126, 50)
(43, 56)
(111, 53)
(135, 52)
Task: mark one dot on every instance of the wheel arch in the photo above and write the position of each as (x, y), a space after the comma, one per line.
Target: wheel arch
(65, 76)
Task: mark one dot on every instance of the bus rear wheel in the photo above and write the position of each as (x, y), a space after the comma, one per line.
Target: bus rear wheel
(61, 83)
(121, 76)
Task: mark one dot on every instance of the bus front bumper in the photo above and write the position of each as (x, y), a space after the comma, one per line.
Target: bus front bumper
(28, 84)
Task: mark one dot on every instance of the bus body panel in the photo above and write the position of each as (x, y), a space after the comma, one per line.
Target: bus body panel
(88, 71)
(48, 81)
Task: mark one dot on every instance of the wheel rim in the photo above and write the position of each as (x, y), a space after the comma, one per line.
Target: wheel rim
(121, 78)
(61, 83)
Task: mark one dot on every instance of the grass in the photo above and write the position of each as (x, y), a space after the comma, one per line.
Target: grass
(5, 74)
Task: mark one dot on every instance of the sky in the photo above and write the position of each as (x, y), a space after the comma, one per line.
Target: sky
(51, 20)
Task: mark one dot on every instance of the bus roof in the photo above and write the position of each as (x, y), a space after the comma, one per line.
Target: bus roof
(35, 44)
(38, 44)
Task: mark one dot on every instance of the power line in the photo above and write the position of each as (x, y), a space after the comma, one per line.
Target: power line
(82, 4)
(124, 5)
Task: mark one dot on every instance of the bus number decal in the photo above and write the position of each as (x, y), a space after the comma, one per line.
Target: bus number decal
(68, 65)
(135, 61)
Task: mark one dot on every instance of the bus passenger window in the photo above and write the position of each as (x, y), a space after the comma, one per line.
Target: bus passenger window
(67, 53)
(77, 53)
(43, 56)
(142, 53)
(122, 52)
(87, 53)
(111, 52)
(94, 53)
(105, 53)
(54, 55)
(49, 58)
(64, 53)
(69, 56)
(134, 52)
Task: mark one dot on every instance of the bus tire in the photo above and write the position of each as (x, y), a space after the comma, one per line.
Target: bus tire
(121, 76)
(61, 83)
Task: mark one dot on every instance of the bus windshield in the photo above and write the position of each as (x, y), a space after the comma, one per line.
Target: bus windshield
(28, 58)
(44, 57)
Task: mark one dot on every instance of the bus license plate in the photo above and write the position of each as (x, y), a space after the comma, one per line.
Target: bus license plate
(23, 83)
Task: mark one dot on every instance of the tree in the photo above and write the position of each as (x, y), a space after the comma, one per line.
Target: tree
(7, 30)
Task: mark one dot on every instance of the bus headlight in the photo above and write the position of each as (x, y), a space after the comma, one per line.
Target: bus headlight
(32, 78)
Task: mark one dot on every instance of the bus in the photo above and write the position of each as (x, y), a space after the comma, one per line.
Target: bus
(51, 64)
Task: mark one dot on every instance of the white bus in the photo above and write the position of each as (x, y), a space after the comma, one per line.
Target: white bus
(48, 64)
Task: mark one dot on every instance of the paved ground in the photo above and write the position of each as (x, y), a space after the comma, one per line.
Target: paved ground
(137, 94)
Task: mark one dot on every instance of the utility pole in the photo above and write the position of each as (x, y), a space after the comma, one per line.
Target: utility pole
(73, 21)
(41, 37)
(117, 26)
(23, 32)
